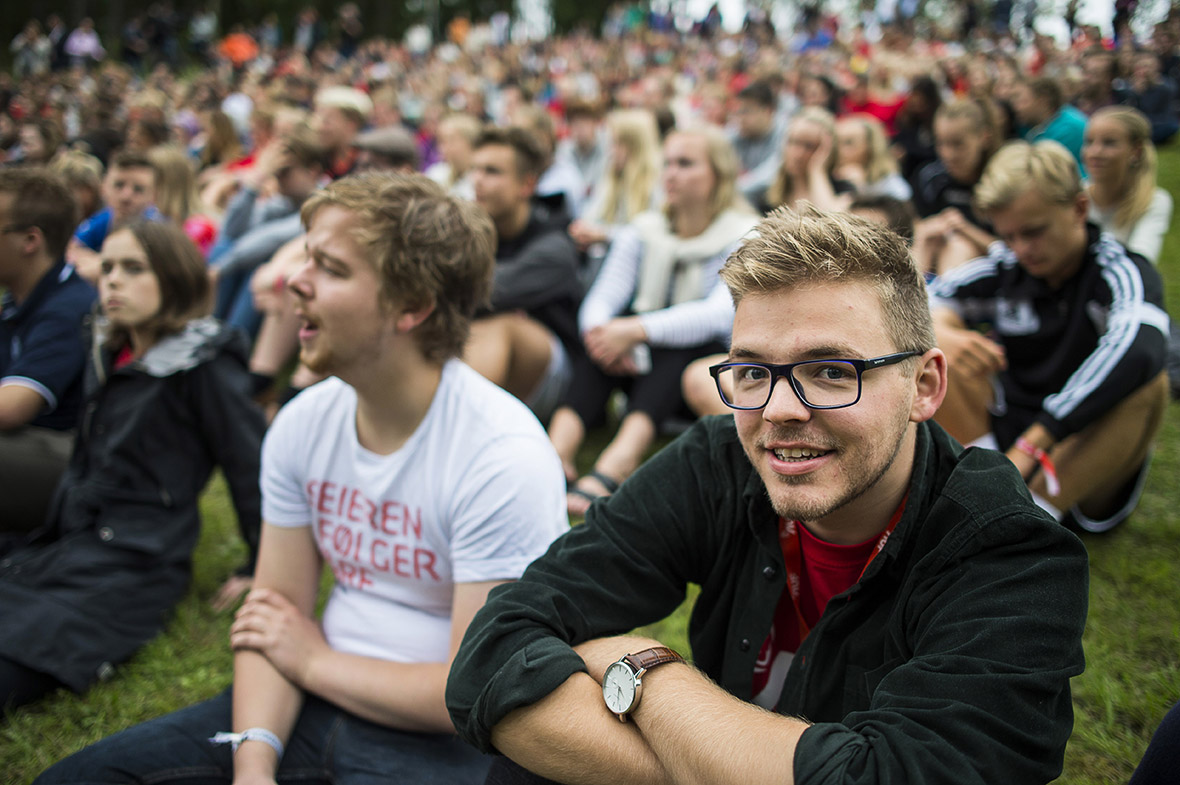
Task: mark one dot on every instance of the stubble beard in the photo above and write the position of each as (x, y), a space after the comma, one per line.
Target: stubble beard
(317, 362)
(798, 509)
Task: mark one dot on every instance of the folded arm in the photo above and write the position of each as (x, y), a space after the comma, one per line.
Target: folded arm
(686, 729)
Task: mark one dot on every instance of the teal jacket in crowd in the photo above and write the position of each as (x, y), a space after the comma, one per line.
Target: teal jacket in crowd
(948, 662)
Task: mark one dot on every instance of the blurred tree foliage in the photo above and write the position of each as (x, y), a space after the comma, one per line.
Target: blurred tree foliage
(381, 17)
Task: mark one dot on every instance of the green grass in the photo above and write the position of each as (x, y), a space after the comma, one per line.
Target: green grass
(1132, 637)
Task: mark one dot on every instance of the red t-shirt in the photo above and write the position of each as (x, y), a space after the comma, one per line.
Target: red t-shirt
(826, 570)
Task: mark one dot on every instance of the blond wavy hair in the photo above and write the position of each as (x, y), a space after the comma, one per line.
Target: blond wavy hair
(176, 183)
(724, 161)
(784, 182)
(629, 191)
(880, 163)
(982, 117)
(1140, 186)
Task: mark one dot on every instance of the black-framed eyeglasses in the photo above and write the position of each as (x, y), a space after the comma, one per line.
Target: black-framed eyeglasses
(819, 384)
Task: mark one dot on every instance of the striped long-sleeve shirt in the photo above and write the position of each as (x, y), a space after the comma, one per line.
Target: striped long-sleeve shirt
(1074, 352)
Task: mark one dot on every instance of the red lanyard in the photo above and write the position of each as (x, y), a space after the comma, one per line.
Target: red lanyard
(793, 559)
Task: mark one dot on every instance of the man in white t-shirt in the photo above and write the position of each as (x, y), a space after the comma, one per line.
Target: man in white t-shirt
(421, 485)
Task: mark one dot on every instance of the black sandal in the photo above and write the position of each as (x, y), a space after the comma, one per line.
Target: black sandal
(608, 482)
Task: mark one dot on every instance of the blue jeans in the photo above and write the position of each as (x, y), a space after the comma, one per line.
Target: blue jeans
(506, 772)
(327, 745)
(1163, 753)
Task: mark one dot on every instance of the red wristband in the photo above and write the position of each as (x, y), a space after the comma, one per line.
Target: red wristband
(1040, 456)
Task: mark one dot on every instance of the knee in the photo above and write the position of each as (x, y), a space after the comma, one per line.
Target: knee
(88, 765)
(699, 389)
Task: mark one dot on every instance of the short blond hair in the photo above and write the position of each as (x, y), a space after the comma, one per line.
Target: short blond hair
(467, 126)
(79, 169)
(792, 248)
(428, 248)
(1018, 166)
(630, 190)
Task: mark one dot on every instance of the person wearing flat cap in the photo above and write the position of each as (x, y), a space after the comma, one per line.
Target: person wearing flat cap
(389, 148)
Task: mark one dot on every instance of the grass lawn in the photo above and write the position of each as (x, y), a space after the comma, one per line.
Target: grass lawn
(1132, 637)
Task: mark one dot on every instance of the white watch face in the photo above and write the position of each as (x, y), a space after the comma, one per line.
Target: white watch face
(618, 687)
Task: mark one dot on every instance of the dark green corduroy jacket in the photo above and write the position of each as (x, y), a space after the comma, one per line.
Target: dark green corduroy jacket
(948, 662)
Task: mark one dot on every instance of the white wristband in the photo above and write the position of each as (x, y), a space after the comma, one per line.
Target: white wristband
(250, 734)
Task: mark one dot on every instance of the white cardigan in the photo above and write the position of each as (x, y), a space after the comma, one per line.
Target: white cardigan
(688, 323)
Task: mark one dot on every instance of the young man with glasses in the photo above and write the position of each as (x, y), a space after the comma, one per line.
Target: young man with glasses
(901, 608)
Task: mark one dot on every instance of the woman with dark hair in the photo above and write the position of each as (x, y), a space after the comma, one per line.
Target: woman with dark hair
(40, 141)
(914, 141)
(819, 91)
(166, 399)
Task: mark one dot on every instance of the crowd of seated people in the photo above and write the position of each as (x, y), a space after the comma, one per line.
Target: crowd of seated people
(614, 176)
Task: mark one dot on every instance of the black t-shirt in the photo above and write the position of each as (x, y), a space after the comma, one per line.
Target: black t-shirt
(537, 272)
(935, 190)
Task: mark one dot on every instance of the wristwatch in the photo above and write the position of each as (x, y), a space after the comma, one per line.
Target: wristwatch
(622, 683)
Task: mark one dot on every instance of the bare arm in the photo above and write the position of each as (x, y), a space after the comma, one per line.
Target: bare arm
(702, 734)
(979, 239)
(288, 564)
(966, 350)
(685, 730)
(85, 261)
(19, 405)
(1038, 436)
(570, 736)
(400, 695)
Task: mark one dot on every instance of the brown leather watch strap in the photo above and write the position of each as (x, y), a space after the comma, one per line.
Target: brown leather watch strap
(649, 658)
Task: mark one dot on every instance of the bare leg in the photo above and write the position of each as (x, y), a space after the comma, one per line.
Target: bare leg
(625, 452)
(618, 461)
(1096, 463)
(532, 351)
(489, 350)
(964, 411)
(699, 389)
(566, 431)
(510, 350)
